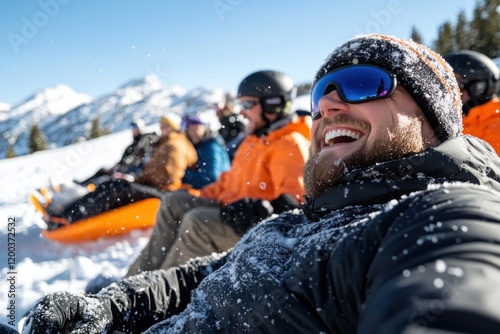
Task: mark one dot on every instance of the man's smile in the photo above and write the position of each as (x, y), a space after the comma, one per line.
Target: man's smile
(341, 135)
(336, 136)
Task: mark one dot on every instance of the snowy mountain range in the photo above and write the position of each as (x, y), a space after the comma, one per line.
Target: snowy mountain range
(64, 116)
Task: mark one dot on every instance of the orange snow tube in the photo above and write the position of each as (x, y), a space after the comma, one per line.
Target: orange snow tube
(138, 215)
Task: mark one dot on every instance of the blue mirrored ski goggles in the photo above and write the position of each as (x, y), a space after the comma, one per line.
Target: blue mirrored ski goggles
(354, 84)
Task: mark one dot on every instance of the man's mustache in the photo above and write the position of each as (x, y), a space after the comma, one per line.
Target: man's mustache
(342, 118)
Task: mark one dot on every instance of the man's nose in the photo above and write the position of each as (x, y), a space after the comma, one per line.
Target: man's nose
(331, 102)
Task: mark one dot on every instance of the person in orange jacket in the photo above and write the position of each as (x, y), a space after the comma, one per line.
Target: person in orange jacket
(478, 79)
(266, 177)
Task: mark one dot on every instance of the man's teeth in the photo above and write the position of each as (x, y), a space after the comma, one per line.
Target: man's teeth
(340, 133)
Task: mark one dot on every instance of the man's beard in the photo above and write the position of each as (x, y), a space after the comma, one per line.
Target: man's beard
(322, 172)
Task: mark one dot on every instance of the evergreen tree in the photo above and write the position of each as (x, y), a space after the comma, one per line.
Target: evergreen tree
(415, 36)
(36, 141)
(445, 44)
(481, 34)
(10, 152)
(462, 33)
(96, 130)
(304, 88)
(485, 27)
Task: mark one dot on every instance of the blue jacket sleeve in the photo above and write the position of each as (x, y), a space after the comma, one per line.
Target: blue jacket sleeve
(212, 161)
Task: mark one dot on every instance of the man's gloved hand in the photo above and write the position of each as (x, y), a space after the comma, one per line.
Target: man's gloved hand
(64, 312)
(284, 203)
(245, 213)
(123, 176)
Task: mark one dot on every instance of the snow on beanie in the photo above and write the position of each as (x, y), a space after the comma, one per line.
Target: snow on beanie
(421, 71)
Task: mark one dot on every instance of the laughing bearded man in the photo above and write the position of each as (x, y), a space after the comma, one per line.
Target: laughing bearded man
(400, 232)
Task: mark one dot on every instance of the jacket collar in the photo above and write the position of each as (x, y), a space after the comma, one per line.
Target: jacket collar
(292, 123)
(462, 159)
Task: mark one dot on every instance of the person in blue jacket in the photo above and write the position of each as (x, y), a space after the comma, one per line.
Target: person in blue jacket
(212, 156)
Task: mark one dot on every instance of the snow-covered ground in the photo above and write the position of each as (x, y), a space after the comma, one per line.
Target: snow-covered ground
(42, 266)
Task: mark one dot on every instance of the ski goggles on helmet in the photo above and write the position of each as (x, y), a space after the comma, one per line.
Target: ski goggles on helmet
(474, 87)
(354, 84)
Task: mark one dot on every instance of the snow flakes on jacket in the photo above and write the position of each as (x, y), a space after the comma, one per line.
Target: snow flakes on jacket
(340, 272)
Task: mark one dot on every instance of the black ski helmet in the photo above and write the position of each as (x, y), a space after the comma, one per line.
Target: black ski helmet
(275, 90)
(479, 75)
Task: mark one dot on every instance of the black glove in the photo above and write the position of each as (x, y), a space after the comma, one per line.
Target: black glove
(285, 203)
(4, 329)
(64, 312)
(245, 213)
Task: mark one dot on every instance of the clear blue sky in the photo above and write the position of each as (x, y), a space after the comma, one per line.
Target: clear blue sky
(96, 46)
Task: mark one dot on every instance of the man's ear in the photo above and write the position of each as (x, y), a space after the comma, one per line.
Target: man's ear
(429, 136)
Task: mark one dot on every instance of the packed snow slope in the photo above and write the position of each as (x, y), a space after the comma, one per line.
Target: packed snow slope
(41, 266)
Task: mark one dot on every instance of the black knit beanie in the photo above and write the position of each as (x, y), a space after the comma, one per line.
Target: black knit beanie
(421, 71)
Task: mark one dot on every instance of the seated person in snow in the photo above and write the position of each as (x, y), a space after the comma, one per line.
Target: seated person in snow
(133, 159)
(55, 198)
(400, 232)
(479, 80)
(212, 161)
(163, 172)
(265, 177)
(212, 156)
(232, 128)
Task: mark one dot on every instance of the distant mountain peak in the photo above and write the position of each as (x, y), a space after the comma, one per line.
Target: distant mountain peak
(4, 107)
(55, 92)
(150, 81)
(153, 80)
(136, 90)
(54, 100)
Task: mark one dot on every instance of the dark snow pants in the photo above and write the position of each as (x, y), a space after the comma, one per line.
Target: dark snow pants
(108, 196)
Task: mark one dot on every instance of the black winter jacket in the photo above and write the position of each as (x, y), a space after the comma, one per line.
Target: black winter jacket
(136, 154)
(411, 245)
